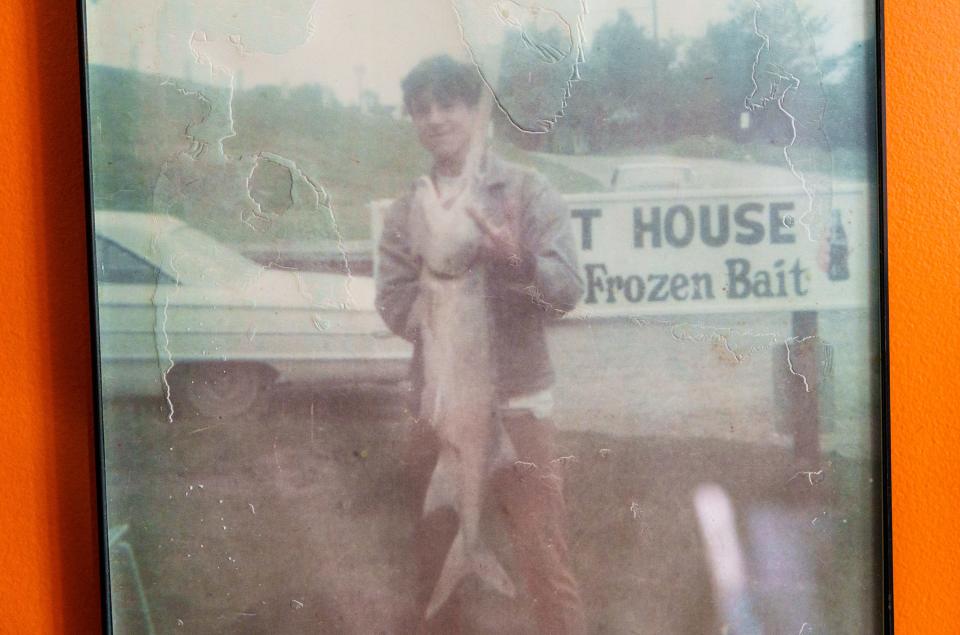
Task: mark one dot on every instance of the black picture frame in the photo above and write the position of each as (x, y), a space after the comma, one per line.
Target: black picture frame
(880, 337)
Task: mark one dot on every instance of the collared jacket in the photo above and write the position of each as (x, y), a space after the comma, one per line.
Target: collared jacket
(544, 284)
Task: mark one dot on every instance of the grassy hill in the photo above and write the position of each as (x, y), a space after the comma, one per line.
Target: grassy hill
(155, 148)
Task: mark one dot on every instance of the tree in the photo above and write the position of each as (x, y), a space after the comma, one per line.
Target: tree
(749, 62)
(633, 84)
(538, 69)
(851, 117)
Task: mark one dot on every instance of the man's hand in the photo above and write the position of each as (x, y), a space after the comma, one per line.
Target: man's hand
(504, 248)
(502, 243)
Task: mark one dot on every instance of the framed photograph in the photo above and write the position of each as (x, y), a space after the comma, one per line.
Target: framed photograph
(490, 316)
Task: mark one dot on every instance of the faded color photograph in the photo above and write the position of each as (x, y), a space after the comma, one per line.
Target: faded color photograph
(488, 316)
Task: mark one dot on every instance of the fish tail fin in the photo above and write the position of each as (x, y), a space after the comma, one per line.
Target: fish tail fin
(491, 572)
(459, 564)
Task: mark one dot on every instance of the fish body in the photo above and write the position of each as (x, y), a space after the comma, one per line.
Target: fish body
(459, 396)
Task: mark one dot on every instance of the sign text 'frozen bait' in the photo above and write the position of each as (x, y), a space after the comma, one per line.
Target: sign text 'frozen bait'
(741, 281)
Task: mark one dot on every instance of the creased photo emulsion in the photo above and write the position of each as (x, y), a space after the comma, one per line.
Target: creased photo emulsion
(488, 316)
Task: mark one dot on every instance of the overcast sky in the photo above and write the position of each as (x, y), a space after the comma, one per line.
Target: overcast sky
(344, 44)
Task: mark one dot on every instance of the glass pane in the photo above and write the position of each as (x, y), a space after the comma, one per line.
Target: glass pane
(489, 315)
(117, 265)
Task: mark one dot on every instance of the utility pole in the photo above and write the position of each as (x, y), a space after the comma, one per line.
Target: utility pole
(656, 29)
(360, 70)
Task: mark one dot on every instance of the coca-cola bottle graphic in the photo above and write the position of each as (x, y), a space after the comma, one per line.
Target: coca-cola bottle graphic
(837, 267)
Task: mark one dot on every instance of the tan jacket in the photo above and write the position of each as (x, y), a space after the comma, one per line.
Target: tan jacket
(545, 284)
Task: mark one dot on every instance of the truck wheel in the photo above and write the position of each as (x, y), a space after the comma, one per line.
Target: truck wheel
(226, 390)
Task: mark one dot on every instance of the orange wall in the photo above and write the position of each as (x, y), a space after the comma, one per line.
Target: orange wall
(48, 559)
(923, 144)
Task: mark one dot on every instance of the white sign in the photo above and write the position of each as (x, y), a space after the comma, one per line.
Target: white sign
(719, 251)
(710, 251)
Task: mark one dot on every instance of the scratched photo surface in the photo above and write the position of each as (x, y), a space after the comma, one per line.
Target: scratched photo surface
(488, 316)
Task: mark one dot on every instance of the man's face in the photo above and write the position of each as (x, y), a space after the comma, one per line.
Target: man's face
(445, 128)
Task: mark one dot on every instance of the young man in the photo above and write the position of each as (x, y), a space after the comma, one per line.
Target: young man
(532, 277)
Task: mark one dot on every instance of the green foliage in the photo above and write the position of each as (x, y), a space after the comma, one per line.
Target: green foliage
(145, 160)
(636, 92)
(853, 123)
(355, 157)
(155, 141)
(136, 123)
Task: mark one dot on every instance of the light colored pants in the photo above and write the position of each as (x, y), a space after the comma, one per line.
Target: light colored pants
(531, 501)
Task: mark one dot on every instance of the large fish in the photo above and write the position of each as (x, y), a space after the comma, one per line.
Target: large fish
(459, 396)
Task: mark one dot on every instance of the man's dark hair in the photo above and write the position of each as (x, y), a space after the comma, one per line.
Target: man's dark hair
(445, 79)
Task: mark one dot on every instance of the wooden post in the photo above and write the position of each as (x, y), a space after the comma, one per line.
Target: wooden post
(802, 400)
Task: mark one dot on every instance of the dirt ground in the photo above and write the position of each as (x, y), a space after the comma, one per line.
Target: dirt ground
(301, 521)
